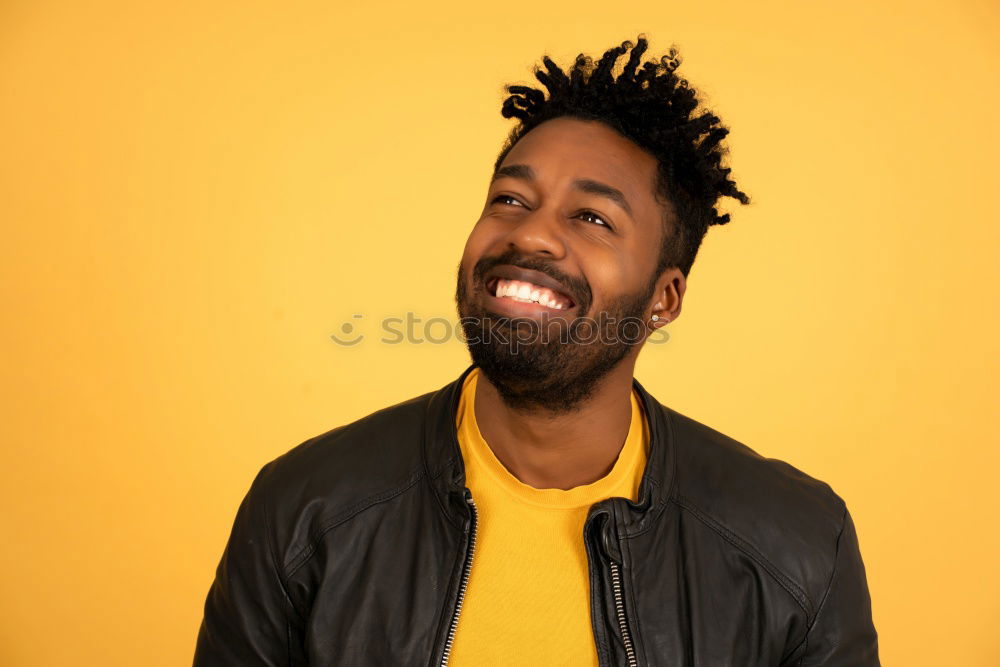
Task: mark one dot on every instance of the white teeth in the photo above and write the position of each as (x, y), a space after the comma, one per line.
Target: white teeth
(528, 293)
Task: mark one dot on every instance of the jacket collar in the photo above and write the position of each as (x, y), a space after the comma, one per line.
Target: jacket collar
(445, 468)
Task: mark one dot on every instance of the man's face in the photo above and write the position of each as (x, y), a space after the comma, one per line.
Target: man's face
(570, 233)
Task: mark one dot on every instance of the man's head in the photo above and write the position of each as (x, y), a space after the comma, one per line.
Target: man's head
(602, 194)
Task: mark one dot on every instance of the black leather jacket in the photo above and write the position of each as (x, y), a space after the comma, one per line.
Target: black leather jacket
(354, 549)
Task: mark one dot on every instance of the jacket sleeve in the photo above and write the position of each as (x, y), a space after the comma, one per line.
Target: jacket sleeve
(842, 633)
(245, 620)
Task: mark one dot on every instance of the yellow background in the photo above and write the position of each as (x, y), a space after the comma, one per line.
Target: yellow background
(195, 195)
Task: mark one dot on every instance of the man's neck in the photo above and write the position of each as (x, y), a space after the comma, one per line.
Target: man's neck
(562, 451)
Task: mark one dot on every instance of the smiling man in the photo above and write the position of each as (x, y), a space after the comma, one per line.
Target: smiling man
(543, 507)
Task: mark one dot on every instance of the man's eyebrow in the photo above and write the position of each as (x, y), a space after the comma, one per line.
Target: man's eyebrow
(521, 171)
(603, 190)
(590, 186)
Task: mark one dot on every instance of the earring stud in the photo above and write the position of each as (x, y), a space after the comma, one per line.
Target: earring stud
(655, 318)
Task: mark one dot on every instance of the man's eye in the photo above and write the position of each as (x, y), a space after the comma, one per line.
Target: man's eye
(596, 218)
(506, 199)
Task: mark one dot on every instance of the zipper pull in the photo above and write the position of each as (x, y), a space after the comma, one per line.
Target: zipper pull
(467, 497)
(609, 545)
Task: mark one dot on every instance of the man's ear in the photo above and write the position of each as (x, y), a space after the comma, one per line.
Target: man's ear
(667, 297)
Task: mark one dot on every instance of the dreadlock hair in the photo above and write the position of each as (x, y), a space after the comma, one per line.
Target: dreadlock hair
(659, 112)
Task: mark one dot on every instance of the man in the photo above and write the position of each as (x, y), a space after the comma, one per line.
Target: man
(544, 508)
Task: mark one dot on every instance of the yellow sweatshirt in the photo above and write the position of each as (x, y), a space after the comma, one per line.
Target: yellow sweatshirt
(528, 596)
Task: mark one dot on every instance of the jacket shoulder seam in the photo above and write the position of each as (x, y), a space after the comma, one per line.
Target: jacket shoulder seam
(744, 545)
(804, 644)
(345, 515)
(272, 551)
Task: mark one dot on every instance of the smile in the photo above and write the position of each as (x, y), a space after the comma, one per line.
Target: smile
(525, 292)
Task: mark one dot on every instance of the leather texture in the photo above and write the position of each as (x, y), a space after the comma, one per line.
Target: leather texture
(350, 548)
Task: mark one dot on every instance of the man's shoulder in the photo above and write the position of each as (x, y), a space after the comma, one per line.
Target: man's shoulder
(786, 520)
(726, 477)
(359, 462)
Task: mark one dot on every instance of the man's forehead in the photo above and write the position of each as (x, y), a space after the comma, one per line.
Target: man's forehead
(573, 149)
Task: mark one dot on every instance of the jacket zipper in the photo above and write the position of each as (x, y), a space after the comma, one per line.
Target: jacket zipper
(466, 569)
(616, 588)
(616, 585)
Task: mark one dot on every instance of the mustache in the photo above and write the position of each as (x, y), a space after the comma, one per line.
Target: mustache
(579, 289)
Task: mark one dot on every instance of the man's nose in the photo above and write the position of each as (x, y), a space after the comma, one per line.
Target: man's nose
(539, 232)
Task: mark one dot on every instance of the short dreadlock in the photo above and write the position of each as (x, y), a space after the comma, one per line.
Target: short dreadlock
(655, 109)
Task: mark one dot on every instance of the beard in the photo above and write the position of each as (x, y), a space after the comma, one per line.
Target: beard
(548, 365)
